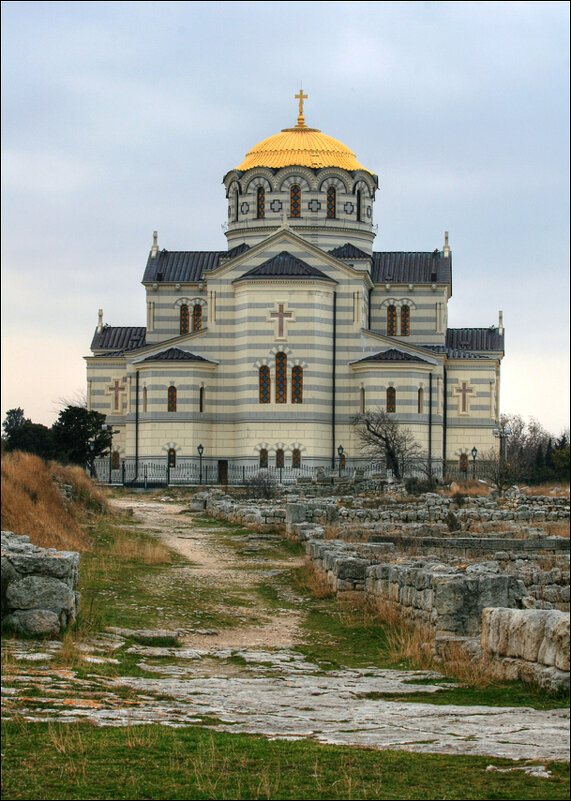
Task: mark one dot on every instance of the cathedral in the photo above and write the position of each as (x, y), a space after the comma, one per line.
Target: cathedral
(261, 355)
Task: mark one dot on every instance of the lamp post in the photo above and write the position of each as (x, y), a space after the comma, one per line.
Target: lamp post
(91, 458)
(340, 452)
(112, 433)
(474, 454)
(200, 450)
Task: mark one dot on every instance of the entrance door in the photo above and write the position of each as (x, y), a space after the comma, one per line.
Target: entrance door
(222, 471)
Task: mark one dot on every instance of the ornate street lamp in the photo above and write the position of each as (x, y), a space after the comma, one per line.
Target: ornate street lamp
(474, 454)
(200, 450)
(340, 452)
(502, 434)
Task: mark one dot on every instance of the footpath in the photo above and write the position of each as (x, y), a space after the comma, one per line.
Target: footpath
(246, 672)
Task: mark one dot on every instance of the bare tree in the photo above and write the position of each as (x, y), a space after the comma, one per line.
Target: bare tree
(499, 470)
(383, 438)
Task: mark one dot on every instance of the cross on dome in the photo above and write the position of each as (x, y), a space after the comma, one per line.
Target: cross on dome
(301, 97)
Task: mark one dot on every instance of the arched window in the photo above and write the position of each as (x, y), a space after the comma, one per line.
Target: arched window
(279, 458)
(331, 202)
(420, 400)
(263, 458)
(172, 457)
(236, 205)
(264, 384)
(281, 378)
(201, 399)
(463, 463)
(115, 460)
(295, 201)
(145, 399)
(362, 401)
(184, 318)
(342, 462)
(358, 203)
(297, 384)
(296, 458)
(391, 400)
(171, 399)
(261, 203)
(391, 321)
(197, 317)
(405, 321)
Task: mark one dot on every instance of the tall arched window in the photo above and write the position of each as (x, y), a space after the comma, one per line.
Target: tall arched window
(263, 458)
(420, 400)
(391, 321)
(115, 460)
(197, 317)
(264, 384)
(405, 321)
(201, 399)
(172, 457)
(184, 319)
(145, 403)
(171, 399)
(362, 401)
(391, 400)
(261, 203)
(296, 458)
(281, 378)
(463, 462)
(297, 384)
(279, 458)
(331, 202)
(342, 461)
(295, 201)
(236, 205)
(358, 203)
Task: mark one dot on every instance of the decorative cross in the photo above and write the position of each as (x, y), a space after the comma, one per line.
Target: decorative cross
(116, 389)
(464, 390)
(279, 316)
(301, 97)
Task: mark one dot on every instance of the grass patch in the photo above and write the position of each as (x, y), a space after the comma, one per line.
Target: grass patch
(78, 761)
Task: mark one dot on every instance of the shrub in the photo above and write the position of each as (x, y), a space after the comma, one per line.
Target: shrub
(418, 486)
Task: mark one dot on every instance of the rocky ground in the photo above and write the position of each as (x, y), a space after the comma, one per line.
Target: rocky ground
(251, 677)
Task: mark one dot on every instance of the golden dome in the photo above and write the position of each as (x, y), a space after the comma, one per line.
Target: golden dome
(303, 147)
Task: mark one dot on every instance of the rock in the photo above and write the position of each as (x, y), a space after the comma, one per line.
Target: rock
(34, 621)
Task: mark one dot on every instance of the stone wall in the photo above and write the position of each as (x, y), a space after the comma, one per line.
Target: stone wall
(39, 593)
(448, 599)
(528, 644)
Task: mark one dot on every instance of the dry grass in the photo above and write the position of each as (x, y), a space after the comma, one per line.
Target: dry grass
(473, 671)
(129, 548)
(554, 490)
(33, 504)
(312, 580)
(556, 528)
(470, 489)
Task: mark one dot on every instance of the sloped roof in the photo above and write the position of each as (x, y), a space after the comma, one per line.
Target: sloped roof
(349, 251)
(175, 355)
(186, 266)
(119, 338)
(284, 265)
(393, 355)
(411, 268)
(453, 353)
(475, 338)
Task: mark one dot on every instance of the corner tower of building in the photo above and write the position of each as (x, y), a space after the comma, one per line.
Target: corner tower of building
(305, 180)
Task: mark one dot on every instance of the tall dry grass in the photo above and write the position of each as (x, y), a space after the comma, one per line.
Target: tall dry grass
(32, 502)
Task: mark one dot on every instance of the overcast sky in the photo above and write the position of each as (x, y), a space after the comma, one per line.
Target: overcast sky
(122, 117)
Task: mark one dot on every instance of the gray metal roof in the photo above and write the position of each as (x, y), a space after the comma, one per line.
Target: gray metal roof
(186, 266)
(475, 339)
(175, 355)
(119, 338)
(393, 355)
(411, 268)
(284, 265)
(453, 353)
(349, 251)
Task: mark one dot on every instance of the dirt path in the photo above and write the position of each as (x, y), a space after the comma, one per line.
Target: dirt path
(250, 677)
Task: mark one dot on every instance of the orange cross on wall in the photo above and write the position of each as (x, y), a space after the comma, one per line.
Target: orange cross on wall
(464, 390)
(280, 316)
(116, 389)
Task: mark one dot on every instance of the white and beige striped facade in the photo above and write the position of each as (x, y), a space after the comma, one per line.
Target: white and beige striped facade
(361, 329)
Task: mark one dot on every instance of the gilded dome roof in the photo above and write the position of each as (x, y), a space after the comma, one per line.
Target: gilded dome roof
(301, 146)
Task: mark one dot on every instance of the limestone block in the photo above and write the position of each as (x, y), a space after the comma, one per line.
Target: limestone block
(39, 592)
(34, 621)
